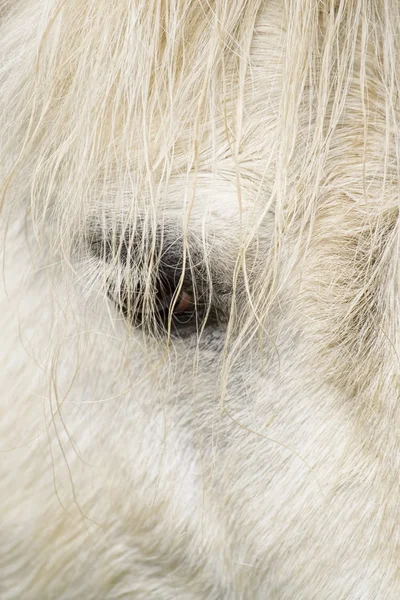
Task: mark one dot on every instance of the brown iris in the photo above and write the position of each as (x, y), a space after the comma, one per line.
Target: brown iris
(184, 305)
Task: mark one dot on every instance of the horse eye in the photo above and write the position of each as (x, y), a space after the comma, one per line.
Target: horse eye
(175, 306)
(184, 305)
(182, 310)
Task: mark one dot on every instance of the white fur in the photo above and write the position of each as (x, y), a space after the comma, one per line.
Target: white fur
(256, 458)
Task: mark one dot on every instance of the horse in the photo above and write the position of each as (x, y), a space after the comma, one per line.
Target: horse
(199, 304)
